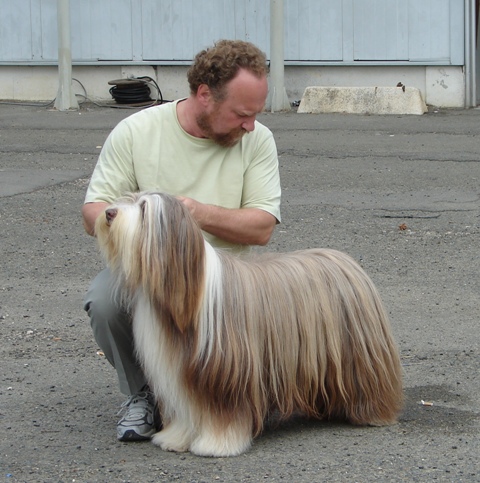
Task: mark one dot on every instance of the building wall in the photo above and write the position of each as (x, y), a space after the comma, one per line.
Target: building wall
(440, 86)
(327, 42)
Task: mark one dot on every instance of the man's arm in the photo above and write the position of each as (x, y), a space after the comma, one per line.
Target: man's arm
(246, 226)
(90, 212)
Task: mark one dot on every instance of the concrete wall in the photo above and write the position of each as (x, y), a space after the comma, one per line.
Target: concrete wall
(441, 86)
(40, 83)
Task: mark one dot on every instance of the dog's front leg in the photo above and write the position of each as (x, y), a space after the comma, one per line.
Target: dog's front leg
(162, 361)
(220, 437)
(175, 436)
(178, 421)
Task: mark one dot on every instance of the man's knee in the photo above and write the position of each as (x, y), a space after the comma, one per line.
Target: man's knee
(102, 306)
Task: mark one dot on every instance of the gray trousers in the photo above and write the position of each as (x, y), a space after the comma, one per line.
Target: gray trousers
(112, 329)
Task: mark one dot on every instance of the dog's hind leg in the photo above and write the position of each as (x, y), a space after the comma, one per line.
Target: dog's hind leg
(221, 437)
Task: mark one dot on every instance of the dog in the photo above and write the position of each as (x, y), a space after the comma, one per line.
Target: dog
(226, 341)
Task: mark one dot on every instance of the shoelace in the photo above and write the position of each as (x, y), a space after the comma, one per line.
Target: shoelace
(137, 403)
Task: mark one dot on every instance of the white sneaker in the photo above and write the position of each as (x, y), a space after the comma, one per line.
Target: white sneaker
(138, 421)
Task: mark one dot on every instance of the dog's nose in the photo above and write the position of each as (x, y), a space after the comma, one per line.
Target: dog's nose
(110, 214)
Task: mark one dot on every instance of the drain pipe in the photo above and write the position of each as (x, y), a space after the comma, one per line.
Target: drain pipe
(278, 99)
(470, 46)
(65, 97)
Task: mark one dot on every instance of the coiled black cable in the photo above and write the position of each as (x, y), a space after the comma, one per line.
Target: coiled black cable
(135, 91)
(132, 94)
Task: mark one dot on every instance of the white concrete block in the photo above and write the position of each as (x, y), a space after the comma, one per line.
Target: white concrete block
(363, 100)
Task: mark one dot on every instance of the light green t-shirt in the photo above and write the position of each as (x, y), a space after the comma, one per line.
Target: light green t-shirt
(149, 150)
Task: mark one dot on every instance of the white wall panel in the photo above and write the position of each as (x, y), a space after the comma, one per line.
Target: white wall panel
(102, 30)
(177, 30)
(380, 30)
(163, 31)
(15, 30)
(256, 15)
(409, 30)
(313, 30)
(429, 30)
(48, 29)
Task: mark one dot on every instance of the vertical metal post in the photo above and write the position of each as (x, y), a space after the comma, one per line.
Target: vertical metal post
(278, 94)
(470, 54)
(477, 52)
(65, 97)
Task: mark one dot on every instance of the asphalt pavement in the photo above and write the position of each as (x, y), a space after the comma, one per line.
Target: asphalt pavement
(399, 193)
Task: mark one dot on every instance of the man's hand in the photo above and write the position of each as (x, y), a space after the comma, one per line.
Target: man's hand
(90, 212)
(246, 226)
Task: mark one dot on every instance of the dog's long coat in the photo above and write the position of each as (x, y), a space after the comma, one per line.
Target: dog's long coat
(225, 341)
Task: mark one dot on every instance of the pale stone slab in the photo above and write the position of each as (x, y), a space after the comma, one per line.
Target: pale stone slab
(363, 100)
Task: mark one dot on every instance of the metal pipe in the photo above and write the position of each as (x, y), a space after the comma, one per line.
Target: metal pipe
(65, 97)
(278, 98)
(470, 54)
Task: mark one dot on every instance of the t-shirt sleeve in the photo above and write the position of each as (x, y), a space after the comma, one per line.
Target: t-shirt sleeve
(114, 173)
(261, 188)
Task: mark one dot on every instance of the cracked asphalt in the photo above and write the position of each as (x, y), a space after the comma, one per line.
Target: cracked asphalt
(399, 193)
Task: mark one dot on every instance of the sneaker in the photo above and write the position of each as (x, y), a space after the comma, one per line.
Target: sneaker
(138, 421)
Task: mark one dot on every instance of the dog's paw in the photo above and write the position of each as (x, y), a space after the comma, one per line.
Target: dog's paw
(233, 445)
(172, 438)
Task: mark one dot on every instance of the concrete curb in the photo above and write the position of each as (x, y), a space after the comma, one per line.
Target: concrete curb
(363, 100)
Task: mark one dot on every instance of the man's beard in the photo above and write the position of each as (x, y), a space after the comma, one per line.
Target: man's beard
(226, 140)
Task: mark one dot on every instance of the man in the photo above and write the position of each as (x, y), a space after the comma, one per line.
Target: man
(210, 152)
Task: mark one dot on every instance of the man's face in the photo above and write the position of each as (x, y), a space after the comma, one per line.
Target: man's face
(208, 124)
(225, 122)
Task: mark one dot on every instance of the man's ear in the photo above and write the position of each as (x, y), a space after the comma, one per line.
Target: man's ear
(204, 95)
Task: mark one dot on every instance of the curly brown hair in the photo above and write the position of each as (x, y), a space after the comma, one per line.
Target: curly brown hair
(218, 65)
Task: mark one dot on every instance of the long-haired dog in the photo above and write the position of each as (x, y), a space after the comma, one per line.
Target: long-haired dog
(227, 341)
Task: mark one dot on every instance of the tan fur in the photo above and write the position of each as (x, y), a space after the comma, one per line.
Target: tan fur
(302, 331)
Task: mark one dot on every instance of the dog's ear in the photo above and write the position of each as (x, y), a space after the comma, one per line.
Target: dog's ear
(178, 259)
(185, 266)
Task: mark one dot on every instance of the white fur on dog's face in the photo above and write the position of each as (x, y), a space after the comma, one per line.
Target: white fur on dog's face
(224, 341)
(117, 233)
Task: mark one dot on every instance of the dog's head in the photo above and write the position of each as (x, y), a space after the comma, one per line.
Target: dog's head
(152, 243)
